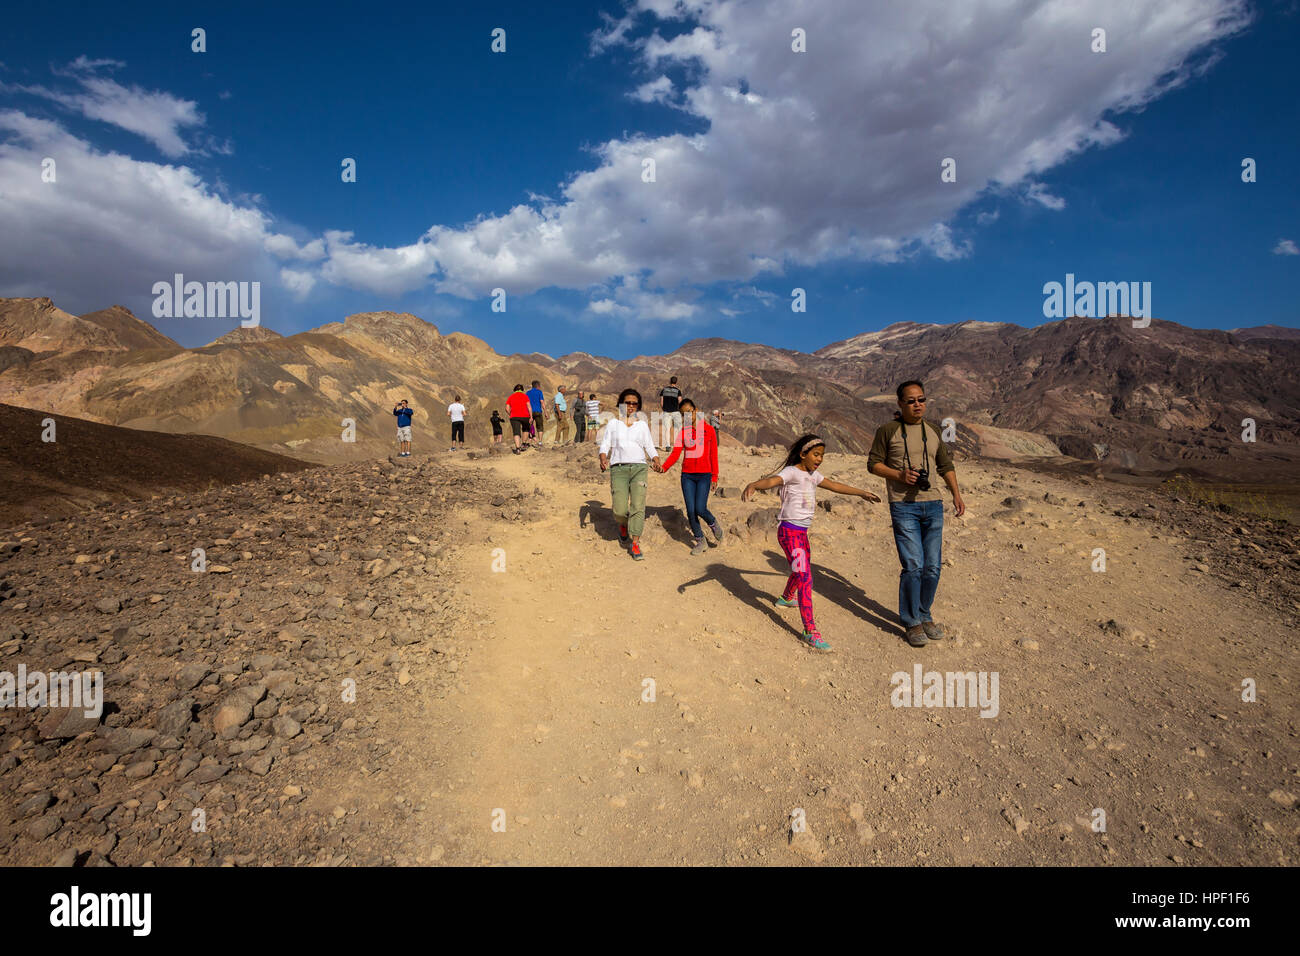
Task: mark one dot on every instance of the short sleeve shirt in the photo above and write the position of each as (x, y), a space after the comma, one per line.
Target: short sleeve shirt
(799, 495)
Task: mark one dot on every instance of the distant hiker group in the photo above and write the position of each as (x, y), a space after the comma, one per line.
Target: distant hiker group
(908, 453)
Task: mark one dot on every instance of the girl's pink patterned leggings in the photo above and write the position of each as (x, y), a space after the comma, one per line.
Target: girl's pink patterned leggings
(794, 541)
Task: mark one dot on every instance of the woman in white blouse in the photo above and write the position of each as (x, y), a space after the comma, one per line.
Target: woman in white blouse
(625, 448)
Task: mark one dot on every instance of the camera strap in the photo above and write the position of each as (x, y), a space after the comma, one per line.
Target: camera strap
(925, 447)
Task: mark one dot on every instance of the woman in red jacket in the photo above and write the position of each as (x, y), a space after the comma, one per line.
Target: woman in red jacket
(699, 470)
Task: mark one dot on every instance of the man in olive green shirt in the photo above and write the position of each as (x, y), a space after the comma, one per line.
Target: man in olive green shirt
(911, 456)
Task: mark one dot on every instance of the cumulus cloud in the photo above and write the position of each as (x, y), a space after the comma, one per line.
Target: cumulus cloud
(109, 226)
(832, 154)
(804, 158)
(631, 300)
(156, 116)
(655, 90)
(1286, 247)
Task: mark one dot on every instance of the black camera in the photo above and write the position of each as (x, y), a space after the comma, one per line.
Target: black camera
(922, 480)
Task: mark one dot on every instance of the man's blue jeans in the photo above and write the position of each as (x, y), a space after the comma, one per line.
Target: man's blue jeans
(918, 535)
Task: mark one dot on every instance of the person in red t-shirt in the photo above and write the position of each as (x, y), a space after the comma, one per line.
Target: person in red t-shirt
(520, 411)
(699, 470)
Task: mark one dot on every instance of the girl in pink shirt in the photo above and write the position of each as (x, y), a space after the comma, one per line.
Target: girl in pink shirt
(799, 479)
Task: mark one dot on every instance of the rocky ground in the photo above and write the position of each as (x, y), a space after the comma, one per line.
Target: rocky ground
(450, 659)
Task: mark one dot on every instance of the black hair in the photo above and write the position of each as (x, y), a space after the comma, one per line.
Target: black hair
(519, 388)
(687, 401)
(673, 380)
(458, 398)
(535, 383)
(795, 455)
(910, 382)
(630, 391)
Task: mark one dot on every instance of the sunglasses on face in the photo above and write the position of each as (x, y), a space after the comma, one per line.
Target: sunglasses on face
(914, 401)
(632, 404)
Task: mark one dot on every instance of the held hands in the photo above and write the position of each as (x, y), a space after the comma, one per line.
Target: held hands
(868, 496)
(748, 493)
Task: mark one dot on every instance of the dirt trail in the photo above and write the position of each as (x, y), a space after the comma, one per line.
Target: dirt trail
(1142, 719)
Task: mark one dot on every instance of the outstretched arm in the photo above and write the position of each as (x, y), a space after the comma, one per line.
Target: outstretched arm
(842, 489)
(772, 481)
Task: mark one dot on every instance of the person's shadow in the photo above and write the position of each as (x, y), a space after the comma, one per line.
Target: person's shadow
(734, 581)
(835, 587)
(599, 515)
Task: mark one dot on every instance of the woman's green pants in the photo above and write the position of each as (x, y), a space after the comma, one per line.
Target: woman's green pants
(627, 484)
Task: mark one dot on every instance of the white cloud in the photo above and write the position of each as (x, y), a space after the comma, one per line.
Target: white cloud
(630, 300)
(655, 90)
(1286, 247)
(156, 116)
(110, 226)
(1038, 193)
(297, 282)
(286, 248)
(833, 154)
(829, 155)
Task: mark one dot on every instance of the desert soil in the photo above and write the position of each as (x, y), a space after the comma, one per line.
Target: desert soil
(528, 694)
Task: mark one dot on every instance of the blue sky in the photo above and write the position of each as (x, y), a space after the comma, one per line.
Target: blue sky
(522, 170)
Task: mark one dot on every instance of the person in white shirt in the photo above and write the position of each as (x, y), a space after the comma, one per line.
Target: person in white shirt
(625, 448)
(456, 412)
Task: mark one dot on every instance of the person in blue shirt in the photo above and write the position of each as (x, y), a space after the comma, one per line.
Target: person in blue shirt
(404, 411)
(535, 398)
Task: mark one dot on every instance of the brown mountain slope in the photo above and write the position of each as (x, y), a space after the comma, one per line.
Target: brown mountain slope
(127, 330)
(90, 463)
(39, 326)
(240, 336)
(1157, 398)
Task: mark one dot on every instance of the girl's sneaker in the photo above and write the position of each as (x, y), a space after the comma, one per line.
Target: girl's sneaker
(700, 547)
(814, 639)
(636, 552)
(716, 528)
(782, 602)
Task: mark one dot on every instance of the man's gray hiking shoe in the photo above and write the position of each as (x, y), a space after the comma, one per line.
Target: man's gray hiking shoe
(916, 636)
(700, 547)
(933, 631)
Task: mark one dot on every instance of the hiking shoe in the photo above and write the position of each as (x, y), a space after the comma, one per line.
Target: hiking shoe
(782, 602)
(916, 636)
(636, 552)
(933, 631)
(622, 533)
(700, 547)
(716, 528)
(815, 640)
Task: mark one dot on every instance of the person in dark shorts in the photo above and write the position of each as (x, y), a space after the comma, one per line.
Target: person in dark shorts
(456, 412)
(497, 421)
(670, 421)
(518, 407)
(579, 420)
(535, 399)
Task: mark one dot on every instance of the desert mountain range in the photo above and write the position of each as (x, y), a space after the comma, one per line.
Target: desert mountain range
(1095, 390)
